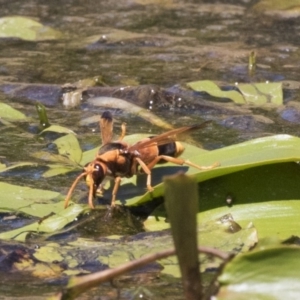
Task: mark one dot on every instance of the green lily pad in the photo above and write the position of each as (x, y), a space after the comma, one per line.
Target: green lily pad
(26, 29)
(268, 274)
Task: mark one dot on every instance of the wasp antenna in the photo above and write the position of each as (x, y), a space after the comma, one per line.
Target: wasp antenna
(107, 115)
(72, 188)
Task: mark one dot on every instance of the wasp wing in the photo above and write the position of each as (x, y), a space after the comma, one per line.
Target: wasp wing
(167, 137)
(106, 127)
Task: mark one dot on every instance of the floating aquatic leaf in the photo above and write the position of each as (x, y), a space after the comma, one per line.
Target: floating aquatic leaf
(55, 170)
(7, 112)
(36, 203)
(272, 273)
(26, 29)
(58, 129)
(59, 219)
(68, 146)
(212, 89)
(55, 158)
(16, 198)
(261, 93)
(254, 93)
(88, 156)
(4, 168)
(278, 218)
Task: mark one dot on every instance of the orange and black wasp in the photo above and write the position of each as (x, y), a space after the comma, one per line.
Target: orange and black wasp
(117, 159)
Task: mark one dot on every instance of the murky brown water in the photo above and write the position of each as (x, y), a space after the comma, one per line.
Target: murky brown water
(164, 44)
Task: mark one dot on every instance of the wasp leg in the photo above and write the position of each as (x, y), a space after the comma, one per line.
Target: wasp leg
(147, 170)
(115, 190)
(72, 188)
(180, 161)
(91, 195)
(123, 132)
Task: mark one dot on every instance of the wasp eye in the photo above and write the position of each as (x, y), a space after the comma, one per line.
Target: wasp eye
(98, 174)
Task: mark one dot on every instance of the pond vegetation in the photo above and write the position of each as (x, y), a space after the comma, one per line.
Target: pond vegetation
(156, 65)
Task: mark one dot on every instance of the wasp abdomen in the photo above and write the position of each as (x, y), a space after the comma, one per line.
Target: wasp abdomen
(173, 149)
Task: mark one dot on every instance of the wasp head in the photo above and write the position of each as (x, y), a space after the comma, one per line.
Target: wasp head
(95, 174)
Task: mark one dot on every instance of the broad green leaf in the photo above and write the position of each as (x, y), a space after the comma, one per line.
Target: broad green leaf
(68, 146)
(270, 218)
(26, 29)
(212, 89)
(62, 164)
(255, 93)
(17, 198)
(88, 156)
(60, 218)
(7, 112)
(58, 129)
(278, 218)
(269, 274)
(37, 203)
(261, 93)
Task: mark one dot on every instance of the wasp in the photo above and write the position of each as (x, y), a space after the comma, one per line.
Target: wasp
(117, 159)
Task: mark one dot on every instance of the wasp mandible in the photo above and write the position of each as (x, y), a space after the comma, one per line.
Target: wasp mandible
(118, 159)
